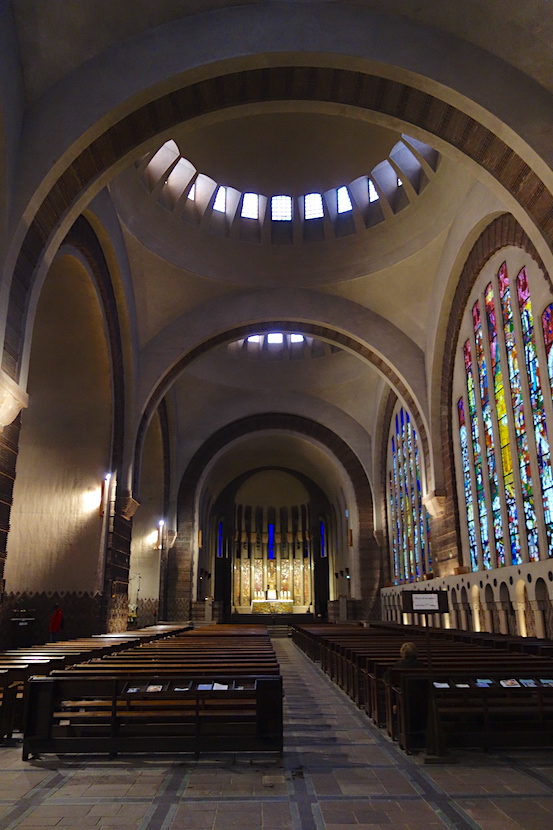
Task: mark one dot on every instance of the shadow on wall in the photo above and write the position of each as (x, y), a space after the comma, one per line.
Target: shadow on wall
(25, 618)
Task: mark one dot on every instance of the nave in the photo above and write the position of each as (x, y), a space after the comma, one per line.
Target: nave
(337, 772)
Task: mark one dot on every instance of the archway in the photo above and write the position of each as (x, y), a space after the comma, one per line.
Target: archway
(64, 455)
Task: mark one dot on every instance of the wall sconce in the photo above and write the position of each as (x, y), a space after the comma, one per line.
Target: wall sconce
(347, 573)
(104, 494)
(161, 525)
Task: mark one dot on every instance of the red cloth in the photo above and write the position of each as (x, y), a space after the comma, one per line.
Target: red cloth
(55, 622)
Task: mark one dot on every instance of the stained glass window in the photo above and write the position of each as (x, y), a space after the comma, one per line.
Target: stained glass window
(220, 540)
(322, 536)
(271, 541)
(408, 519)
(505, 459)
(502, 428)
(537, 405)
(547, 323)
(467, 485)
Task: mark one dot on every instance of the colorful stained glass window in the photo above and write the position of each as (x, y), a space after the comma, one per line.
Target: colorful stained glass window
(517, 401)
(503, 428)
(467, 485)
(505, 456)
(547, 323)
(322, 537)
(537, 404)
(489, 445)
(481, 506)
(408, 519)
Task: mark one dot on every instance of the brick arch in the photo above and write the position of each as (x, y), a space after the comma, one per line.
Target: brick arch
(502, 232)
(278, 83)
(180, 561)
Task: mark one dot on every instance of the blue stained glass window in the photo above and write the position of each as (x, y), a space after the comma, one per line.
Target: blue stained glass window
(322, 535)
(271, 542)
(408, 519)
(220, 545)
(467, 485)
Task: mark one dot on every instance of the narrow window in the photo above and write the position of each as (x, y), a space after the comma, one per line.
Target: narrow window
(373, 195)
(314, 206)
(343, 200)
(250, 206)
(192, 193)
(275, 337)
(220, 203)
(281, 208)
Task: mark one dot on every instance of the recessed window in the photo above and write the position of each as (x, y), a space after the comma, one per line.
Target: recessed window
(192, 193)
(220, 202)
(343, 200)
(250, 206)
(373, 195)
(254, 338)
(275, 337)
(314, 206)
(399, 182)
(296, 338)
(281, 208)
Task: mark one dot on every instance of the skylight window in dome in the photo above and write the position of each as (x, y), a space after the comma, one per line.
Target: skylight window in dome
(192, 193)
(343, 200)
(220, 202)
(373, 195)
(250, 206)
(254, 338)
(399, 182)
(314, 206)
(275, 337)
(281, 208)
(296, 338)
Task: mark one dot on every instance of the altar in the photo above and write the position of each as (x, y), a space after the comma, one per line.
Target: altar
(272, 606)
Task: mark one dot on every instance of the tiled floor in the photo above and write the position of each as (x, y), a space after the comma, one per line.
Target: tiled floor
(337, 773)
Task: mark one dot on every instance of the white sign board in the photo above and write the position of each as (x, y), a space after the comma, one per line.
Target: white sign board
(425, 602)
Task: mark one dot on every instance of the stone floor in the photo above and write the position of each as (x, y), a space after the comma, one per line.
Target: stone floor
(338, 773)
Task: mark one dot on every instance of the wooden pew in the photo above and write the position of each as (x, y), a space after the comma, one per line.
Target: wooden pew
(112, 715)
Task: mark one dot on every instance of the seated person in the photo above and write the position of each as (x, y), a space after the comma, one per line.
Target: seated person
(409, 657)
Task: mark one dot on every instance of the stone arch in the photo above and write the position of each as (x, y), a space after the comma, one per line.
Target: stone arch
(391, 98)
(491, 615)
(65, 451)
(476, 607)
(544, 606)
(180, 559)
(324, 332)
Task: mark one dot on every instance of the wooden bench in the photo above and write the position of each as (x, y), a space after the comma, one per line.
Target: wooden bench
(163, 714)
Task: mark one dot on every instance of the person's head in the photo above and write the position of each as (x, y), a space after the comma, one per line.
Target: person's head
(408, 651)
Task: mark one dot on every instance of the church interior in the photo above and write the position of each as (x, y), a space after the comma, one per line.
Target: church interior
(277, 317)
